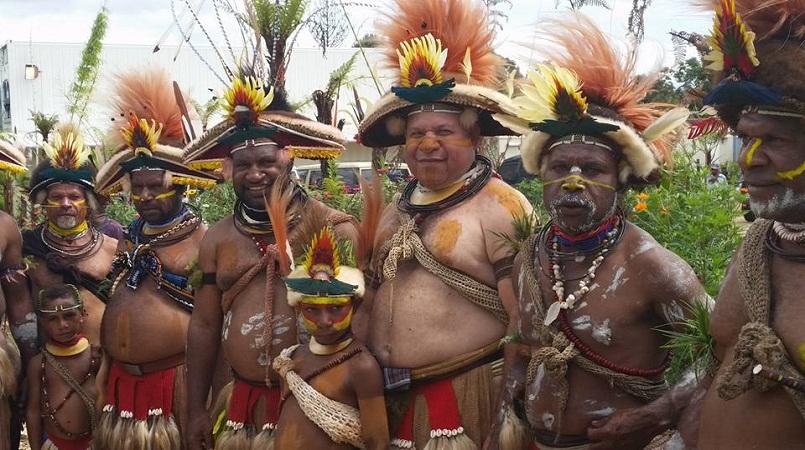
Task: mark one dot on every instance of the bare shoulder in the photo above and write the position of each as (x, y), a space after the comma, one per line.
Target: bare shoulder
(666, 274)
(35, 367)
(7, 222)
(219, 230)
(364, 364)
(501, 203)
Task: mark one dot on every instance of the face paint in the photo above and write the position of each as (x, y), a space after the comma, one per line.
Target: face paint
(577, 182)
(313, 307)
(791, 174)
(414, 143)
(56, 204)
(162, 196)
(750, 153)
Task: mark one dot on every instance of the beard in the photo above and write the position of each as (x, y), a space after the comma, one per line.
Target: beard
(66, 222)
(579, 200)
(785, 207)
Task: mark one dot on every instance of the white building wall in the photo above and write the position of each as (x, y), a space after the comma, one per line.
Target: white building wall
(308, 70)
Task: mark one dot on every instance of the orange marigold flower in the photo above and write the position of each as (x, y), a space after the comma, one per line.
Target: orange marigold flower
(642, 196)
(640, 207)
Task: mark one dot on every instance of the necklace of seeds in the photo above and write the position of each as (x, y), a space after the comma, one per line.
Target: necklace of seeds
(558, 287)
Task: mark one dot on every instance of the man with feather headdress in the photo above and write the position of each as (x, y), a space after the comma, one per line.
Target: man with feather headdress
(441, 297)
(67, 248)
(151, 297)
(593, 288)
(12, 278)
(755, 398)
(241, 306)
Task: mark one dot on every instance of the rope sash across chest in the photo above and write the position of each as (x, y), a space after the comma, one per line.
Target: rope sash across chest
(757, 341)
(406, 244)
(556, 350)
(341, 422)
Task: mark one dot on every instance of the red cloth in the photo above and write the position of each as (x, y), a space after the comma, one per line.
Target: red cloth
(71, 444)
(140, 395)
(442, 408)
(245, 397)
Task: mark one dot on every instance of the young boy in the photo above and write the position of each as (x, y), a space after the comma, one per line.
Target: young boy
(61, 389)
(333, 387)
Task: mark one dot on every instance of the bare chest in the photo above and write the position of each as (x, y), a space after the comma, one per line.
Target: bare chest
(789, 308)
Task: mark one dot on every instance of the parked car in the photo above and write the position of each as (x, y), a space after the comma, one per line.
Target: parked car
(350, 173)
(512, 171)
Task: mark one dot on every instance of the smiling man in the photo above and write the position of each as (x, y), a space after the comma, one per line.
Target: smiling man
(441, 298)
(145, 324)
(241, 307)
(67, 248)
(593, 288)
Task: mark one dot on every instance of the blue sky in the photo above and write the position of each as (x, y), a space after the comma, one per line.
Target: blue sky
(144, 21)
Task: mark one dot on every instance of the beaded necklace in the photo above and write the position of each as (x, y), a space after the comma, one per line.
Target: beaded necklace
(609, 236)
(472, 185)
(68, 250)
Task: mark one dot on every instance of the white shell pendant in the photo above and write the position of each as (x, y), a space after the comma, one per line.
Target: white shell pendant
(553, 312)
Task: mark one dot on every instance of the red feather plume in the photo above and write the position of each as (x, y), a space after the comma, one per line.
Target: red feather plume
(373, 205)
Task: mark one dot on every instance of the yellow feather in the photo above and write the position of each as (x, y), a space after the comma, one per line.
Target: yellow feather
(466, 65)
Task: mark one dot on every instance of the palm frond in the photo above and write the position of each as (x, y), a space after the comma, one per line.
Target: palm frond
(87, 74)
(339, 76)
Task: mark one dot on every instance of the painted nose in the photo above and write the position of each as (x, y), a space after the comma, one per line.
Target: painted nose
(429, 145)
(573, 183)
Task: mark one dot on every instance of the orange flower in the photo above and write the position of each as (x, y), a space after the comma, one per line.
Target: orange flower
(640, 207)
(642, 196)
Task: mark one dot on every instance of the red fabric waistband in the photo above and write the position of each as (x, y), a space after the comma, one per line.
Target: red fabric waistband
(139, 397)
(443, 411)
(71, 444)
(244, 399)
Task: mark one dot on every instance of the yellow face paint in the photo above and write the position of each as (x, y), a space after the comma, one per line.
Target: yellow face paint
(162, 196)
(577, 182)
(750, 153)
(791, 174)
(80, 228)
(57, 204)
(340, 325)
(325, 300)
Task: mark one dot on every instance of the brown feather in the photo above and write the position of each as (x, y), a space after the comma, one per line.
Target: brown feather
(609, 78)
(373, 205)
(149, 95)
(459, 24)
(277, 207)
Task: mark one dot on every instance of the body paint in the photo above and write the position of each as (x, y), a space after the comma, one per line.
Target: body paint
(577, 182)
(162, 196)
(750, 153)
(791, 174)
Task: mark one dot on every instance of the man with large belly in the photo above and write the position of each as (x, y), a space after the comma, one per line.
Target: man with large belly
(593, 288)
(442, 298)
(144, 329)
(241, 307)
(67, 248)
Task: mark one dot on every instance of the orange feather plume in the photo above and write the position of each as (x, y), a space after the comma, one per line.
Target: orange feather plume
(148, 94)
(373, 205)
(768, 18)
(609, 78)
(277, 207)
(458, 24)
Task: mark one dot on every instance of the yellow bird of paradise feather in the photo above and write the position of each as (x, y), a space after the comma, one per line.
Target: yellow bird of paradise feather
(554, 93)
(141, 135)
(421, 61)
(322, 255)
(249, 93)
(67, 151)
(732, 43)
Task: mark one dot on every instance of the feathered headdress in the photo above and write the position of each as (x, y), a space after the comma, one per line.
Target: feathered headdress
(68, 161)
(251, 116)
(321, 274)
(148, 132)
(441, 51)
(757, 49)
(11, 159)
(591, 90)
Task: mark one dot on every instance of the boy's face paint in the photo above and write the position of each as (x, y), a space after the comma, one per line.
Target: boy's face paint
(61, 326)
(326, 317)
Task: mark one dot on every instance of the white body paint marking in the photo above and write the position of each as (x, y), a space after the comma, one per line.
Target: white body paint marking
(617, 281)
(547, 420)
(582, 323)
(227, 323)
(645, 245)
(255, 323)
(675, 443)
(28, 330)
(673, 312)
(536, 386)
(602, 413)
(581, 306)
(262, 360)
(602, 332)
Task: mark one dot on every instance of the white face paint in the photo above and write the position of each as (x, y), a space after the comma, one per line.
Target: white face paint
(781, 205)
(575, 170)
(602, 332)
